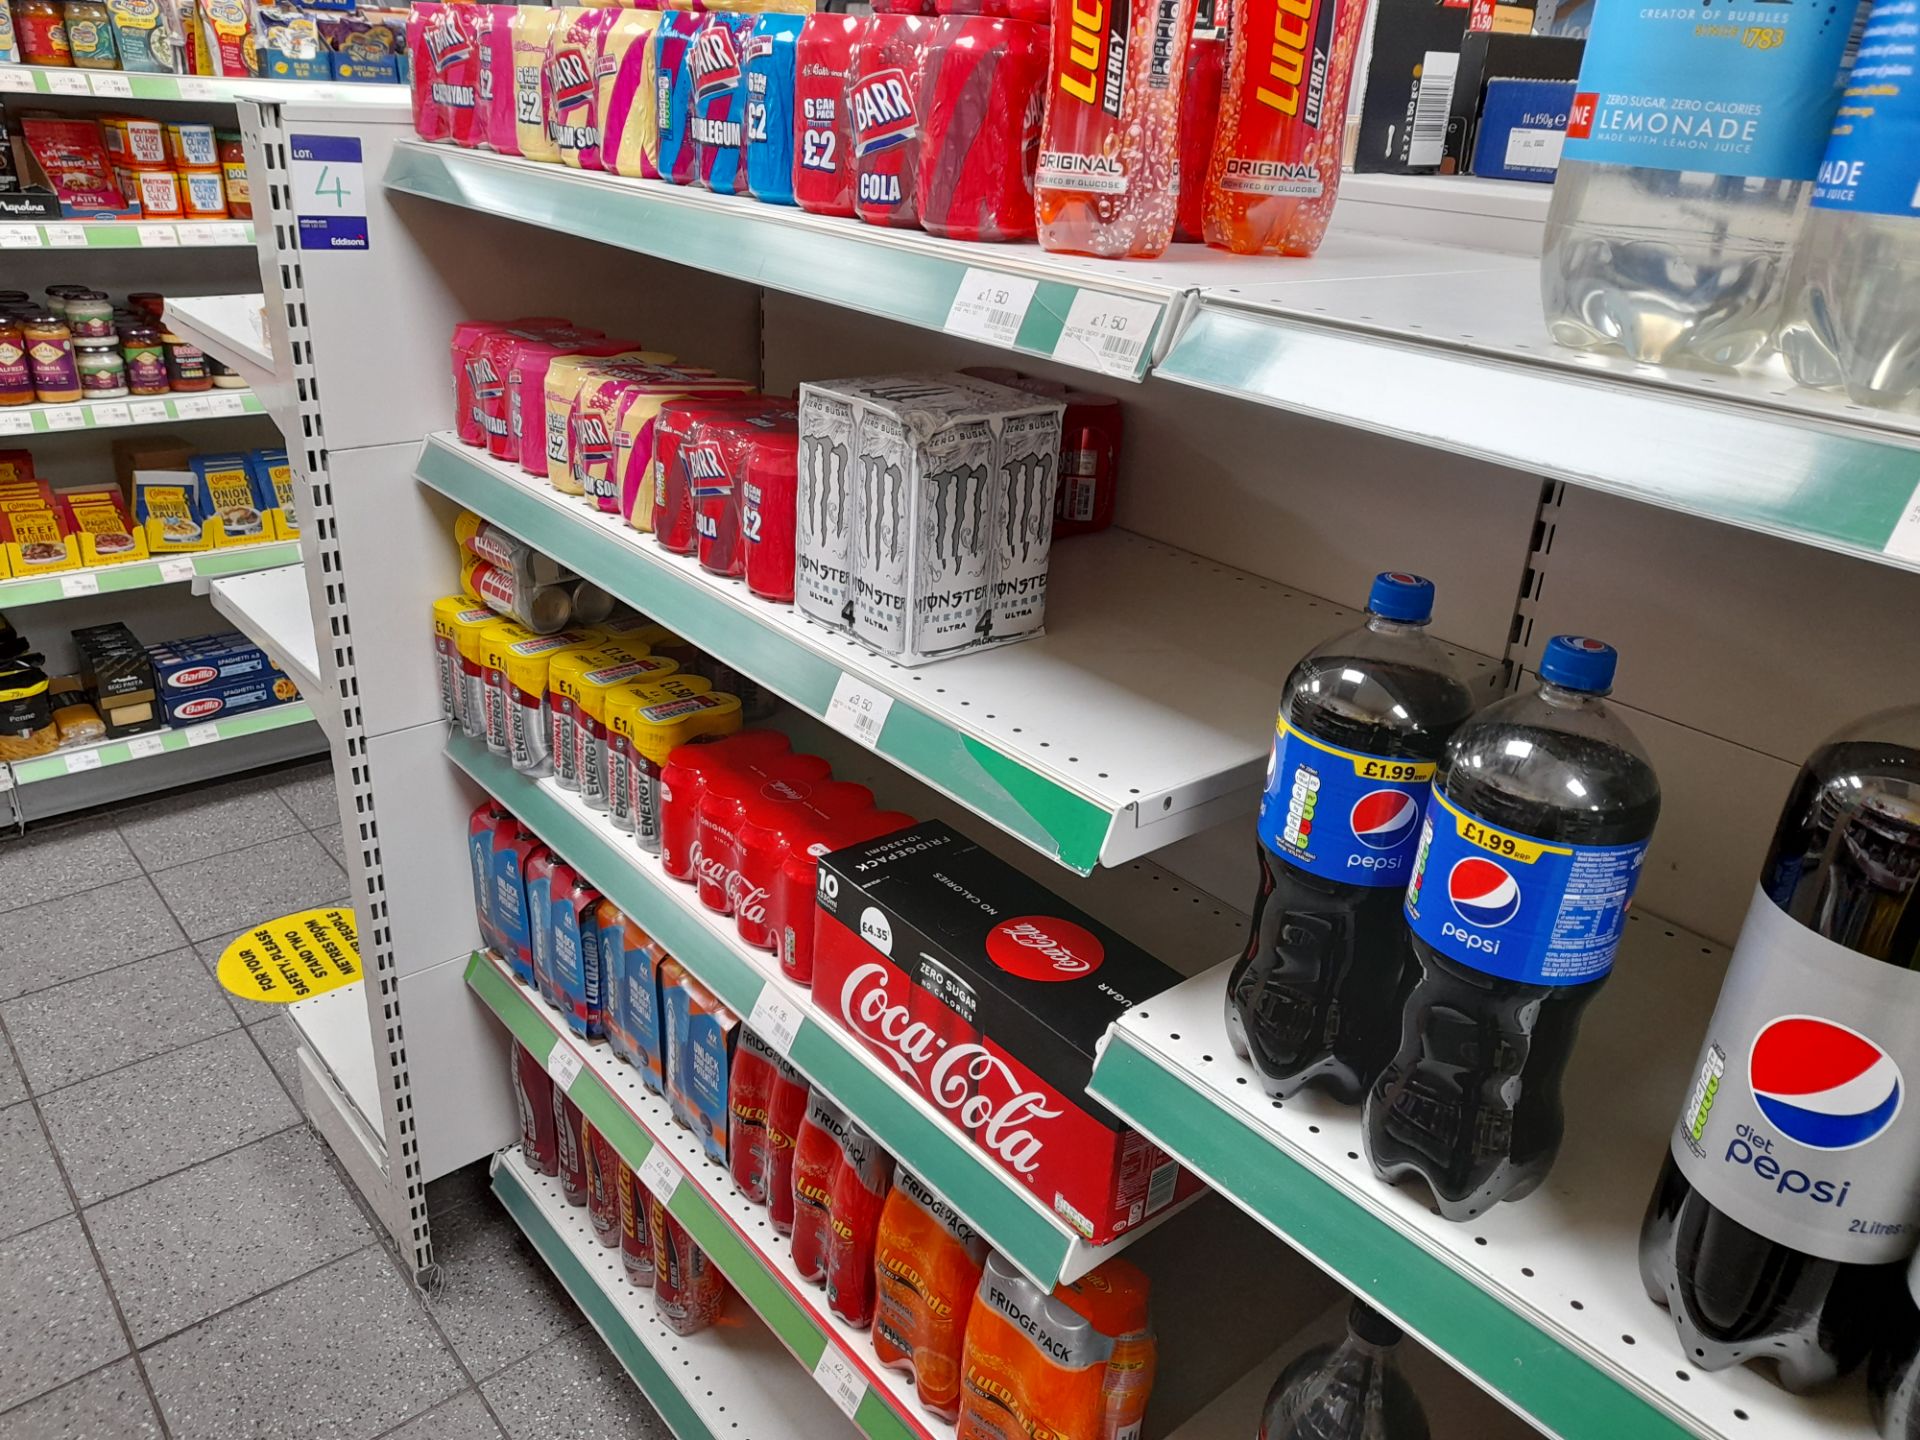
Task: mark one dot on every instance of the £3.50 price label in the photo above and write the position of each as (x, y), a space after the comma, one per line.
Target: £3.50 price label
(858, 710)
(1108, 333)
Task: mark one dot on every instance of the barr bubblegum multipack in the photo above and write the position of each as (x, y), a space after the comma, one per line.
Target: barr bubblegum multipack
(990, 993)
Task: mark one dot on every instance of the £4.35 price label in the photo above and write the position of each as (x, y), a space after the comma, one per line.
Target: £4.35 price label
(329, 191)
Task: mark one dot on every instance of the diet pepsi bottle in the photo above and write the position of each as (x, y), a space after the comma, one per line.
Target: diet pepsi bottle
(1316, 997)
(1528, 859)
(1893, 1376)
(1346, 1391)
(1791, 1189)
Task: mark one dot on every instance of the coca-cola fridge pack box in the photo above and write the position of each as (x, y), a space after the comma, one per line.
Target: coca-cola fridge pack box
(988, 993)
(925, 507)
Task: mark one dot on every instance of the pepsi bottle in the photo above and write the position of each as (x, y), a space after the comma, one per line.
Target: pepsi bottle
(1791, 1188)
(1363, 719)
(1351, 1390)
(1532, 846)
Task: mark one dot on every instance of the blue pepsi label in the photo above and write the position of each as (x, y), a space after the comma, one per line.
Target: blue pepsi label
(1873, 157)
(1519, 908)
(1745, 90)
(1340, 814)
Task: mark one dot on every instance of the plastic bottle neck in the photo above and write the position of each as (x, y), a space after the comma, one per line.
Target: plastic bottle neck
(1381, 625)
(1562, 698)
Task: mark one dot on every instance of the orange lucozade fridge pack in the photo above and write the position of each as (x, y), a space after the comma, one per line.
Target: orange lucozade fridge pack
(927, 1264)
(1108, 172)
(1276, 161)
(1031, 1364)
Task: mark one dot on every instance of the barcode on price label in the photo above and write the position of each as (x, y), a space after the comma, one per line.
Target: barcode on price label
(659, 1174)
(1108, 333)
(202, 734)
(19, 237)
(177, 569)
(70, 236)
(66, 417)
(775, 1019)
(840, 1380)
(990, 307)
(112, 85)
(83, 760)
(142, 746)
(74, 586)
(159, 236)
(145, 412)
(858, 710)
(563, 1064)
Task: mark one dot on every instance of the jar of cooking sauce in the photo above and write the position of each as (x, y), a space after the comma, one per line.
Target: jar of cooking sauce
(146, 355)
(90, 318)
(103, 372)
(50, 357)
(187, 368)
(90, 35)
(16, 376)
(43, 32)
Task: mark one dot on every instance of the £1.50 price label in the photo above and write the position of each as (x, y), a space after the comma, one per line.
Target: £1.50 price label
(988, 306)
(1108, 333)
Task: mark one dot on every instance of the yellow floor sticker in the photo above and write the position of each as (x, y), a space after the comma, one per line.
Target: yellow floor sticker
(293, 958)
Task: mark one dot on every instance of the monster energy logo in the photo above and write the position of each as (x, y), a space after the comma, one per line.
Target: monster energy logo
(958, 517)
(1027, 517)
(883, 497)
(826, 498)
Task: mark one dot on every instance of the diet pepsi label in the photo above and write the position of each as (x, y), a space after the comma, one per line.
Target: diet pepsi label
(1796, 1123)
(1340, 814)
(1515, 907)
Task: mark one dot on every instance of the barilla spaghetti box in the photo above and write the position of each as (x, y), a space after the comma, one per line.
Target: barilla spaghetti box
(990, 993)
(260, 693)
(945, 529)
(208, 662)
(513, 847)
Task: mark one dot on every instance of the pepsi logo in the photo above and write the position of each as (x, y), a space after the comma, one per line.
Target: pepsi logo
(1044, 947)
(1586, 646)
(1821, 1084)
(1483, 893)
(1384, 819)
(1400, 577)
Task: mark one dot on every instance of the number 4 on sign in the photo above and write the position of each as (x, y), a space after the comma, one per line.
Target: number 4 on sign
(334, 191)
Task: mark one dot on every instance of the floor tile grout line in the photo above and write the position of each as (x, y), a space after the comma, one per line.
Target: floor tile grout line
(103, 970)
(53, 1090)
(93, 1250)
(435, 1408)
(70, 896)
(196, 1164)
(277, 1286)
(68, 1384)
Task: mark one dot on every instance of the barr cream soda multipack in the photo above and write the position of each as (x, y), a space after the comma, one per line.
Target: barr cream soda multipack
(1276, 162)
(990, 993)
(1108, 176)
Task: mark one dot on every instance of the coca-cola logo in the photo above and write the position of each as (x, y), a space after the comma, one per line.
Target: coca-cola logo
(790, 791)
(975, 1086)
(1044, 947)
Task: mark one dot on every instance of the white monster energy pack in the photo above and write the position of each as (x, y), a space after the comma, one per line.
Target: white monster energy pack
(926, 511)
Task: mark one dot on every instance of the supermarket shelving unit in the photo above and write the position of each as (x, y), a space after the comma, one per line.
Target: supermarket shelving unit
(1300, 425)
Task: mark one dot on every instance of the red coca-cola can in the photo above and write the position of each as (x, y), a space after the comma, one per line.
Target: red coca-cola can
(683, 785)
(767, 511)
(533, 1094)
(787, 780)
(790, 911)
(771, 823)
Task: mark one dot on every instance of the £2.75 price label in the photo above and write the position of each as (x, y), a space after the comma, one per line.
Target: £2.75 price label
(329, 191)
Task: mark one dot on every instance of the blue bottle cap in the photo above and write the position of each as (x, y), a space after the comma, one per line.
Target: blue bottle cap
(1578, 663)
(1399, 596)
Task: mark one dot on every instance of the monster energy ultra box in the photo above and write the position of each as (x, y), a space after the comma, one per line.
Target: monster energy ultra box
(926, 511)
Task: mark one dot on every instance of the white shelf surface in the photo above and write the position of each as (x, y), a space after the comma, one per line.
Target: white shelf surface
(732, 1380)
(333, 1026)
(230, 327)
(126, 85)
(271, 608)
(1133, 637)
(42, 419)
(1540, 1301)
(201, 565)
(123, 234)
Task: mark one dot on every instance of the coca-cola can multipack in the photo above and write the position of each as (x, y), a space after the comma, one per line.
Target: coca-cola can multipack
(925, 511)
(990, 993)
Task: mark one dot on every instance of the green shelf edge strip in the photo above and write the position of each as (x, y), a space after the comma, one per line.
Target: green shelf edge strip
(143, 574)
(1562, 1391)
(758, 1286)
(647, 1373)
(943, 1160)
(1052, 819)
(750, 242)
(54, 766)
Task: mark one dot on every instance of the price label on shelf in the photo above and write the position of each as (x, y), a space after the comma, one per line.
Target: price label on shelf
(178, 568)
(192, 88)
(6, 777)
(145, 412)
(68, 237)
(16, 80)
(66, 417)
(159, 237)
(227, 232)
(74, 586)
(840, 1380)
(659, 1174)
(990, 306)
(67, 82)
(83, 760)
(775, 1019)
(19, 237)
(1108, 333)
(202, 734)
(226, 405)
(115, 85)
(563, 1064)
(143, 747)
(1904, 542)
(858, 710)
(15, 422)
(112, 412)
(193, 407)
(196, 234)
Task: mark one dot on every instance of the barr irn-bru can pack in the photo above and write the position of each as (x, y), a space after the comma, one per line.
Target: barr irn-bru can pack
(1276, 163)
(1107, 178)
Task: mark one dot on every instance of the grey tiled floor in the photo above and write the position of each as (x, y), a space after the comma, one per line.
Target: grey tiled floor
(180, 1255)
